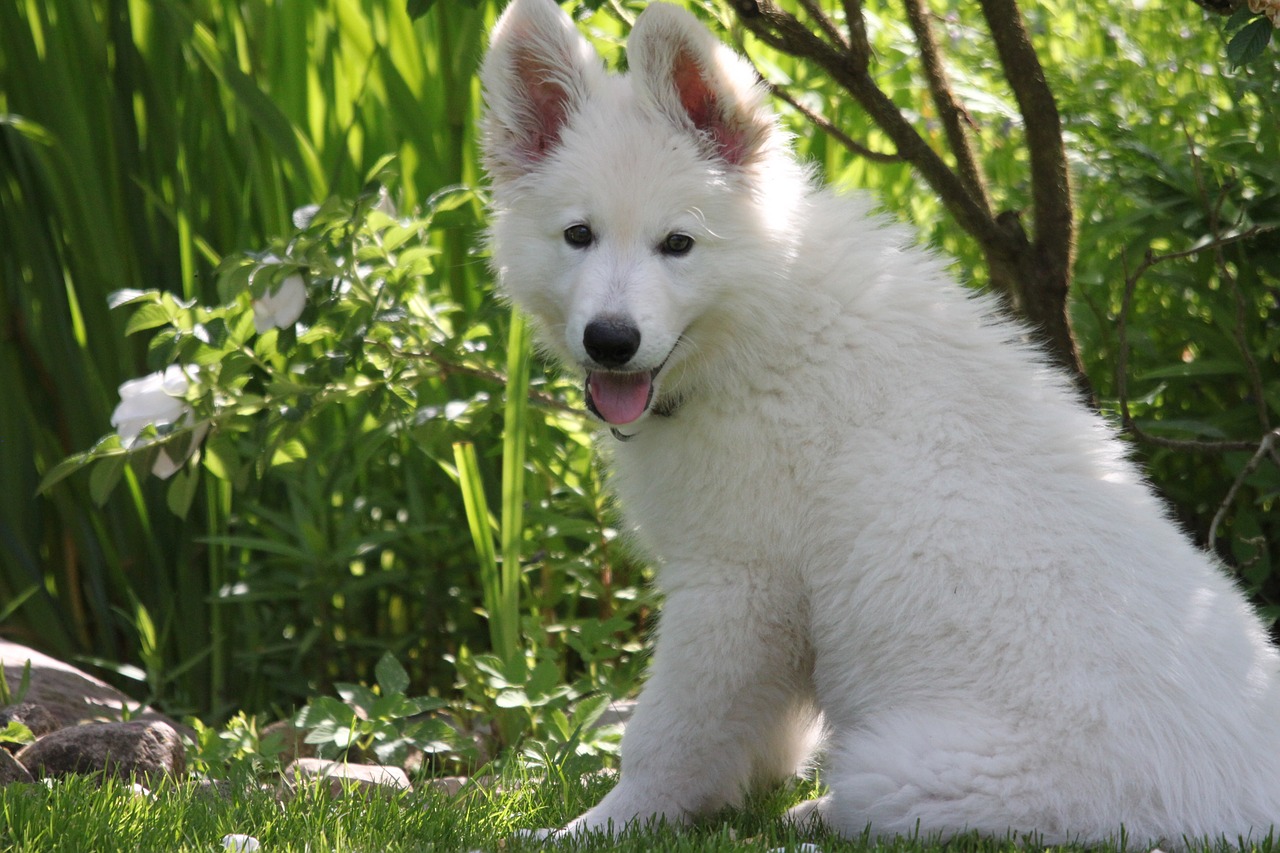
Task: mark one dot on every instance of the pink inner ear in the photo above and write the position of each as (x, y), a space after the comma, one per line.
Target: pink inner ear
(547, 103)
(703, 108)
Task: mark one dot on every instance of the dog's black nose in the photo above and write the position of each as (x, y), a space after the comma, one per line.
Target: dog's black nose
(611, 341)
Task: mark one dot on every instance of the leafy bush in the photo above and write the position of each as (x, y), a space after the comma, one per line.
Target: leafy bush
(331, 475)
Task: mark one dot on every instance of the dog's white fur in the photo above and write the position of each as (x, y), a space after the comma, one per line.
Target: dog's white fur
(875, 512)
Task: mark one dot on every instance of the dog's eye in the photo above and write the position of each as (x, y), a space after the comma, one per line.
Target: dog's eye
(677, 244)
(578, 236)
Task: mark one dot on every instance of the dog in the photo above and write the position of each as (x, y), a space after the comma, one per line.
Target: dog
(883, 526)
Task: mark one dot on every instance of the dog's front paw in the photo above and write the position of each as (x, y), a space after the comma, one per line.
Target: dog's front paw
(628, 805)
(537, 834)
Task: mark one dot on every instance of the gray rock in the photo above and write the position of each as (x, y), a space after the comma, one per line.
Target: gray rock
(450, 786)
(290, 739)
(69, 695)
(11, 770)
(339, 778)
(145, 751)
(617, 714)
(35, 717)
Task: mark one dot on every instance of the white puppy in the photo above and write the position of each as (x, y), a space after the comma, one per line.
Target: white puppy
(873, 510)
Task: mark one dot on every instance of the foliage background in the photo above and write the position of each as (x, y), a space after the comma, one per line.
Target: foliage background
(144, 142)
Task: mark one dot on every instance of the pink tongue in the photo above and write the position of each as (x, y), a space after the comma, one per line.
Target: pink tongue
(620, 398)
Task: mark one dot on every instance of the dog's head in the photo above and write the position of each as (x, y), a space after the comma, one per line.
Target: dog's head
(626, 206)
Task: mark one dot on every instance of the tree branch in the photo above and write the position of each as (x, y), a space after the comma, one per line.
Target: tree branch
(849, 68)
(825, 24)
(828, 128)
(953, 117)
(1034, 272)
(1266, 446)
(1050, 177)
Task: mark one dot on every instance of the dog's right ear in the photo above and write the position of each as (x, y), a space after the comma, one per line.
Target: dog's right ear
(538, 71)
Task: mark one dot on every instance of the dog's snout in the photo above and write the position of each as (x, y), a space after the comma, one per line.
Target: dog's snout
(611, 341)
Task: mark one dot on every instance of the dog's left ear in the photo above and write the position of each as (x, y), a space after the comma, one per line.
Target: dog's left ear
(695, 80)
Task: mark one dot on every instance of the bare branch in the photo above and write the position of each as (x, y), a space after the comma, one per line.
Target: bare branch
(858, 41)
(849, 68)
(1266, 446)
(953, 117)
(1050, 176)
(830, 129)
(825, 24)
(445, 367)
(1220, 7)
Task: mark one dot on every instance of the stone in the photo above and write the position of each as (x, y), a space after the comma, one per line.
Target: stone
(11, 770)
(216, 790)
(35, 717)
(450, 786)
(340, 778)
(290, 740)
(69, 695)
(617, 714)
(138, 751)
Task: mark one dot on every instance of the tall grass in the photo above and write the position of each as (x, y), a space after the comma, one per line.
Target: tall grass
(139, 143)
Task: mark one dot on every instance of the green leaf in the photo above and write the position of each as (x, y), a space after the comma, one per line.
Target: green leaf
(391, 676)
(1200, 367)
(1248, 44)
(148, 316)
(221, 458)
(120, 298)
(356, 695)
(8, 610)
(377, 170)
(213, 333)
(543, 679)
(563, 728)
(323, 709)
(480, 521)
(104, 477)
(418, 8)
(108, 445)
(590, 709)
(1240, 17)
(16, 732)
(512, 698)
(182, 491)
(234, 277)
(62, 470)
(449, 198)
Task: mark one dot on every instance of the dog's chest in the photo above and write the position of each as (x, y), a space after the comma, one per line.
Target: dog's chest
(694, 492)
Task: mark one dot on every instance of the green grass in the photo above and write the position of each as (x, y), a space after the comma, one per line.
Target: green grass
(77, 815)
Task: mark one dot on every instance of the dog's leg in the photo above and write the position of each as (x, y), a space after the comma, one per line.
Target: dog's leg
(938, 772)
(808, 816)
(726, 705)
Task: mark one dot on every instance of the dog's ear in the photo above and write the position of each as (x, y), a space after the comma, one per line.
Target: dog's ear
(695, 80)
(539, 69)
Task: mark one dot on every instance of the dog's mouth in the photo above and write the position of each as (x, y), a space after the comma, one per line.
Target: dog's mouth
(622, 397)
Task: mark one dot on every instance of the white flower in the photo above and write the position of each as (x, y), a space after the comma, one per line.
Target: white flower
(1270, 8)
(156, 399)
(282, 308)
